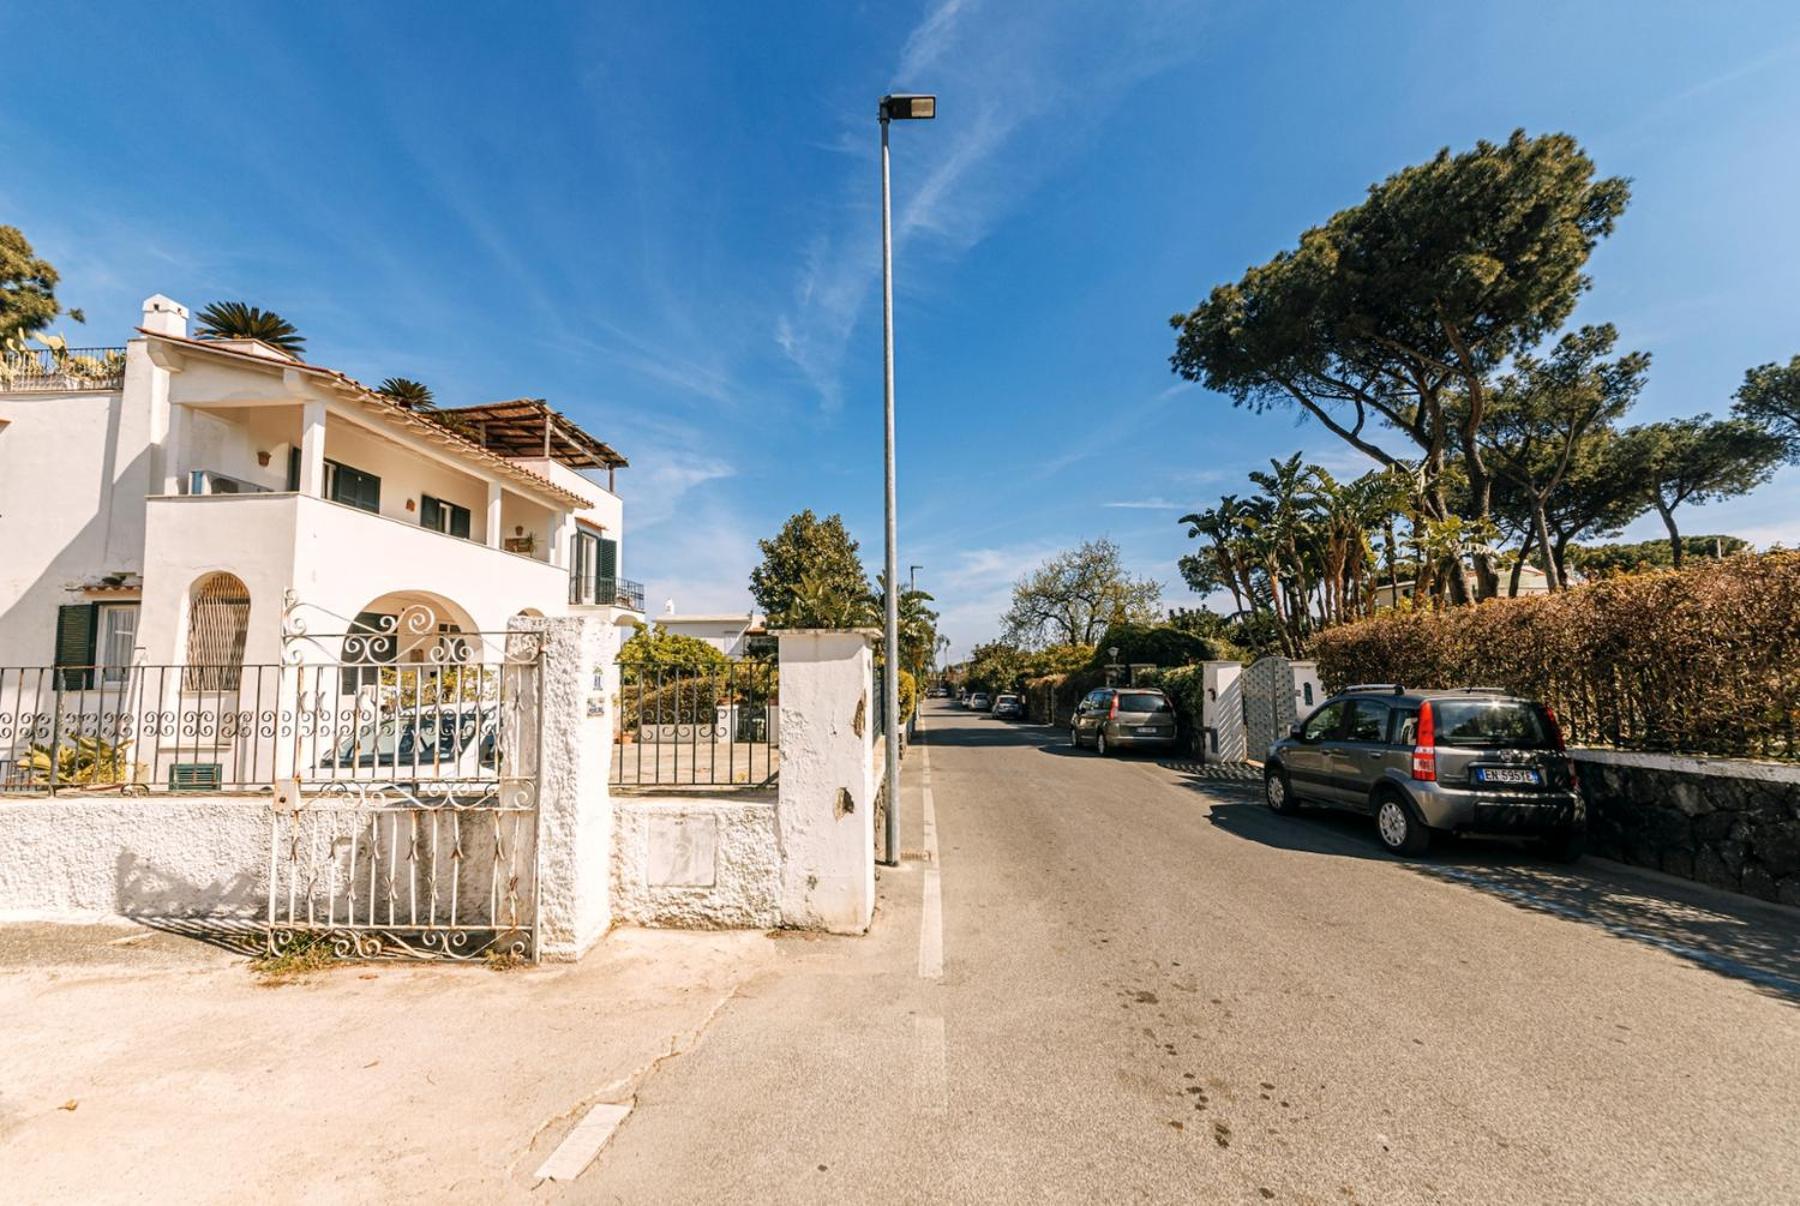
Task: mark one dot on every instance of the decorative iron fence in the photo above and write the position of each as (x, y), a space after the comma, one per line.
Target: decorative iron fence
(222, 727)
(62, 369)
(698, 727)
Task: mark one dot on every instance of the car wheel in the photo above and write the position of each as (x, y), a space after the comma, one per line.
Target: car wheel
(1399, 830)
(1100, 746)
(1278, 793)
(1563, 847)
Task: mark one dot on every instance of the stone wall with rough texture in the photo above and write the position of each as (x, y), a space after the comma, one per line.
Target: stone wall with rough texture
(1734, 825)
(691, 862)
(157, 856)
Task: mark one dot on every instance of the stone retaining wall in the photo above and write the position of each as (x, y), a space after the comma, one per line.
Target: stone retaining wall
(696, 862)
(1731, 824)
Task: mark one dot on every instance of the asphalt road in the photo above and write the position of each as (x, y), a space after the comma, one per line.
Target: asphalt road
(1153, 989)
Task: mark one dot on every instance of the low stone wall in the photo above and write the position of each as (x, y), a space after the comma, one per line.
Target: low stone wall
(73, 857)
(696, 862)
(1727, 823)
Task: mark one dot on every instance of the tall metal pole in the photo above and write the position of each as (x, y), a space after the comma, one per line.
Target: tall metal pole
(890, 677)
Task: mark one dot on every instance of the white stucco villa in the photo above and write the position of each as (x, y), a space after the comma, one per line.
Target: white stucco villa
(162, 504)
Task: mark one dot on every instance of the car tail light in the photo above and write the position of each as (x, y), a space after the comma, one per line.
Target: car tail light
(1556, 735)
(1114, 714)
(1424, 755)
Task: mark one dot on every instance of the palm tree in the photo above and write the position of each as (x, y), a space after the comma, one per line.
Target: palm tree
(236, 320)
(410, 394)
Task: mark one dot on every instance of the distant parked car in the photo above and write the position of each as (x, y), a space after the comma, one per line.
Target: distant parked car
(1474, 761)
(1009, 707)
(1123, 718)
(980, 701)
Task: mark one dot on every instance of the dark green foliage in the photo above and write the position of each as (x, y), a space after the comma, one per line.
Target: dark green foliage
(27, 291)
(812, 576)
(651, 649)
(1696, 461)
(1407, 302)
(1770, 396)
(1605, 560)
(1159, 645)
(238, 320)
(413, 395)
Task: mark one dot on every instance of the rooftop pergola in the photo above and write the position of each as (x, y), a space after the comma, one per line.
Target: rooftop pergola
(528, 427)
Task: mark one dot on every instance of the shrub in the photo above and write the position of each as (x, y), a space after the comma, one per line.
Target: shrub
(1160, 645)
(1704, 660)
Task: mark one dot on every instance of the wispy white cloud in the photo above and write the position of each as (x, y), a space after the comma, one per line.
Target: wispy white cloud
(1001, 72)
(1142, 504)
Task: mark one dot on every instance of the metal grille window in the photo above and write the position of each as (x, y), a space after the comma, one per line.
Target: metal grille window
(218, 622)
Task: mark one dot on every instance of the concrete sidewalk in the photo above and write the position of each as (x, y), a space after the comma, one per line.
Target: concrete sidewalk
(140, 1066)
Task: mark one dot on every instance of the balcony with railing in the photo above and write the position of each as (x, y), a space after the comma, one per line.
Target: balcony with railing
(63, 370)
(603, 591)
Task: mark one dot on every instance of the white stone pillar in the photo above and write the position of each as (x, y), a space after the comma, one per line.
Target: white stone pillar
(1222, 712)
(562, 532)
(1308, 693)
(571, 762)
(825, 805)
(175, 450)
(493, 513)
(312, 448)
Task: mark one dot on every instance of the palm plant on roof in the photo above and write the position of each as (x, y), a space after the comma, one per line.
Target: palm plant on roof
(236, 320)
(413, 395)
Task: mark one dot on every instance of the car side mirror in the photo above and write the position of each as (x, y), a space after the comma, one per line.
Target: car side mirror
(1297, 731)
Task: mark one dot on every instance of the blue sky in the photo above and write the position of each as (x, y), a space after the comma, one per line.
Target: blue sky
(663, 217)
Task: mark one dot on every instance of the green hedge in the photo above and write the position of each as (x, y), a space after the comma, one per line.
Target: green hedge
(1703, 661)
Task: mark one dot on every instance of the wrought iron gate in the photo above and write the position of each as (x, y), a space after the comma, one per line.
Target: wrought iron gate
(1268, 685)
(410, 823)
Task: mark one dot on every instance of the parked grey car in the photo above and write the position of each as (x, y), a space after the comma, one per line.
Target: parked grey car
(980, 701)
(1009, 707)
(1474, 761)
(1123, 718)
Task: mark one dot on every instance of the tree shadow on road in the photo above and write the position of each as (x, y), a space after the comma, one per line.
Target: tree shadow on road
(1730, 935)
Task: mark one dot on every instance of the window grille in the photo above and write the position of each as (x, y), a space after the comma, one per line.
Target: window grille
(218, 622)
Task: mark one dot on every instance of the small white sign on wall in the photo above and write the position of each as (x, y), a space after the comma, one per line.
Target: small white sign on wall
(683, 851)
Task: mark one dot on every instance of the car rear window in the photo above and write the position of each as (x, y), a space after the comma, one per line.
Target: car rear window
(1492, 724)
(1142, 701)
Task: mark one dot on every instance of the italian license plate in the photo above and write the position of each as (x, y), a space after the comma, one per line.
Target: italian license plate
(1148, 730)
(1507, 774)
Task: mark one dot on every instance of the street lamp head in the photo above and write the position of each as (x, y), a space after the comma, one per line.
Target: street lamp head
(907, 106)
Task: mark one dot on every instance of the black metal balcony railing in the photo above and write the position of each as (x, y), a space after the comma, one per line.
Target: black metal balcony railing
(63, 369)
(607, 592)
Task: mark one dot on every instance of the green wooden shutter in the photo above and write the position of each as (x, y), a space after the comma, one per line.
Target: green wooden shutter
(76, 628)
(609, 558)
(459, 521)
(430, 513)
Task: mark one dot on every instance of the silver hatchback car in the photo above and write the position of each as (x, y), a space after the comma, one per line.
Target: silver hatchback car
(1474, 761)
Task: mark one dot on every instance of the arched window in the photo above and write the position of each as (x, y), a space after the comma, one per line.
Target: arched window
(218, 623)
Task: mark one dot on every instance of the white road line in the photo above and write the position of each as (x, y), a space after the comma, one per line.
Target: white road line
(931, 928)
(931, 1072)
(931, 911)
(578, 1149)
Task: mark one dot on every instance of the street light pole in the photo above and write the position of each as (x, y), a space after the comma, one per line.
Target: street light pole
(904, 108)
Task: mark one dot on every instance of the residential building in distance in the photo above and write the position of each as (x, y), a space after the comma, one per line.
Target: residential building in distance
(728, 632)
(1531, 582)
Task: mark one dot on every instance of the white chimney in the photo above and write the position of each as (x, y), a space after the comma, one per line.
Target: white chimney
(165, 316)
